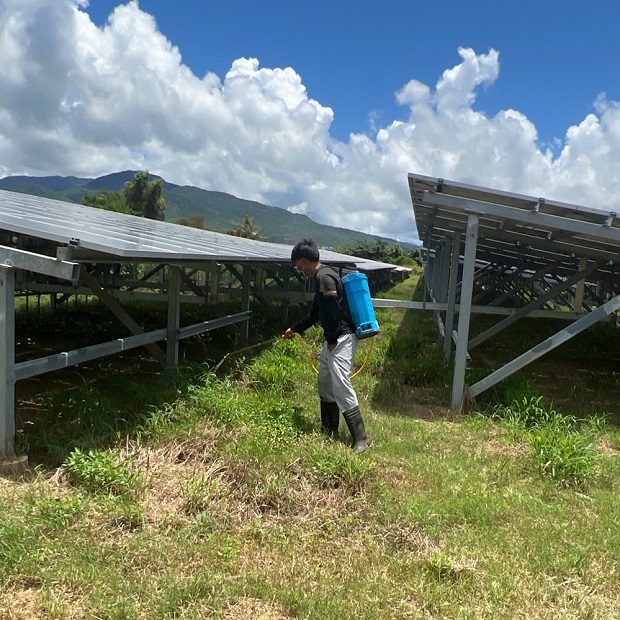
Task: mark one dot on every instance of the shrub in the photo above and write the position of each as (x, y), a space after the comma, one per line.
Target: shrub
(101, 471)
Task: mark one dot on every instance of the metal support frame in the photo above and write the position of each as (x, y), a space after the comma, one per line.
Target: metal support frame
(7, 362)
(580, 288)
(245, 302)
(460, 357)
(523, 283)
(555, 260)
(46, 265)
(32, 368)
(565, 315)
(454, 274)
(120, 313)
(174, 317)
(10, 372)
(534, 304)
(547, 345)
(441, 285)
(531, 218)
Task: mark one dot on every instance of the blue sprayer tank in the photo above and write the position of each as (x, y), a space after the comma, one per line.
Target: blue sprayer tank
(360, 304)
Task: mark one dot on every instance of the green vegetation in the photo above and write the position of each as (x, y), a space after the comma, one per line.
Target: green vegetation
(245, 229)
(204, 495)
(383, 251)
(562, 447)
(145, 196)
(141, 196)
(107, 200)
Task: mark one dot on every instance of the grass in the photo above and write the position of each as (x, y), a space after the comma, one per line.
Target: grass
(216, 496)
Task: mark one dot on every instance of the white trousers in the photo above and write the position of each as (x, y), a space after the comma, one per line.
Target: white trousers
(335, 366)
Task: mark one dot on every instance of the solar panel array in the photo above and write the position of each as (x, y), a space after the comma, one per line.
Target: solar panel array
(128, 237)
(514, 226)
(490, 250)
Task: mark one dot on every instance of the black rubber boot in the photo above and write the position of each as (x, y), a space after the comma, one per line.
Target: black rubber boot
(354, 421)
(330, 418)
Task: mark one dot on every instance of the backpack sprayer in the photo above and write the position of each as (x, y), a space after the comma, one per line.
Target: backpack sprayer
(360, 303)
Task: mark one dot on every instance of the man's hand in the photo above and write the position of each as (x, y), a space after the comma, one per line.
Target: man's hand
(289, 333)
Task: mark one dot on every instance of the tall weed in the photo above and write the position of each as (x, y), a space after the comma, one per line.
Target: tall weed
(529, 412)
(103, 471)
(562, 449)
(337, 466)
(278, 367)
(567, 455)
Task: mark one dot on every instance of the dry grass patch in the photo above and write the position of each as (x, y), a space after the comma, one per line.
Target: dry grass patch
(170, 465)
(430, 411)
(188, 478)
(401, 536)
(608, 446)
(497, 448)
(246, 608)
(35, 604)
(19, 605)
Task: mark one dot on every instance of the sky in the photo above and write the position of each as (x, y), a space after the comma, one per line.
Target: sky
(320, 108)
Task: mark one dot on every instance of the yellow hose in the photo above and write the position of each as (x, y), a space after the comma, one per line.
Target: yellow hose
(316, 370)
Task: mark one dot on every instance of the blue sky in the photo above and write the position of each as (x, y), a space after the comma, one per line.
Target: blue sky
(556, 57)
(319, 108)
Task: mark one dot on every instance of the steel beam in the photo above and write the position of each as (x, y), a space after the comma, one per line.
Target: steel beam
(467, 282)
(547, 345)
(174, 317)
(245, 301)
(38, 263)
(7, 362)
(39, 366)
(454, 272)
(532, 218)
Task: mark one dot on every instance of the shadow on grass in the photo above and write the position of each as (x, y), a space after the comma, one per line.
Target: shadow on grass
(414, 379)
(581, 377)
(96, 404)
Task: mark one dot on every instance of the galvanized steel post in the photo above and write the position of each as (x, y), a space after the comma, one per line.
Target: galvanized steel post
(174, 314)
(467, 284)
(7, 362)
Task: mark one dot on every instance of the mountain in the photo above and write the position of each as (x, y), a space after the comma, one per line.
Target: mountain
(221, 212)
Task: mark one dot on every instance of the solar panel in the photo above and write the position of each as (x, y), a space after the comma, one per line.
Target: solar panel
(513, 222)
(129, 237)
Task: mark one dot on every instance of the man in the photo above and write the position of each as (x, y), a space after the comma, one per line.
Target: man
(330, 308)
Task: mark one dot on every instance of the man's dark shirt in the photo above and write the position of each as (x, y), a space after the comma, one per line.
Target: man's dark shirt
(331, 310)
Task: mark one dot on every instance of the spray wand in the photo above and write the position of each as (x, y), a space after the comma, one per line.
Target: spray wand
(316, 370)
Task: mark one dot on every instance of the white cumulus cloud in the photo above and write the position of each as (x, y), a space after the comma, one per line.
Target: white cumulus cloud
(77, 99)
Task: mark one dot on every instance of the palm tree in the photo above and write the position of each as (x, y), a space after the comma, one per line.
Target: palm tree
(245, 229)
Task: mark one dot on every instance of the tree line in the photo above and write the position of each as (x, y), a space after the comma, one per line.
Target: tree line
(382, 251)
